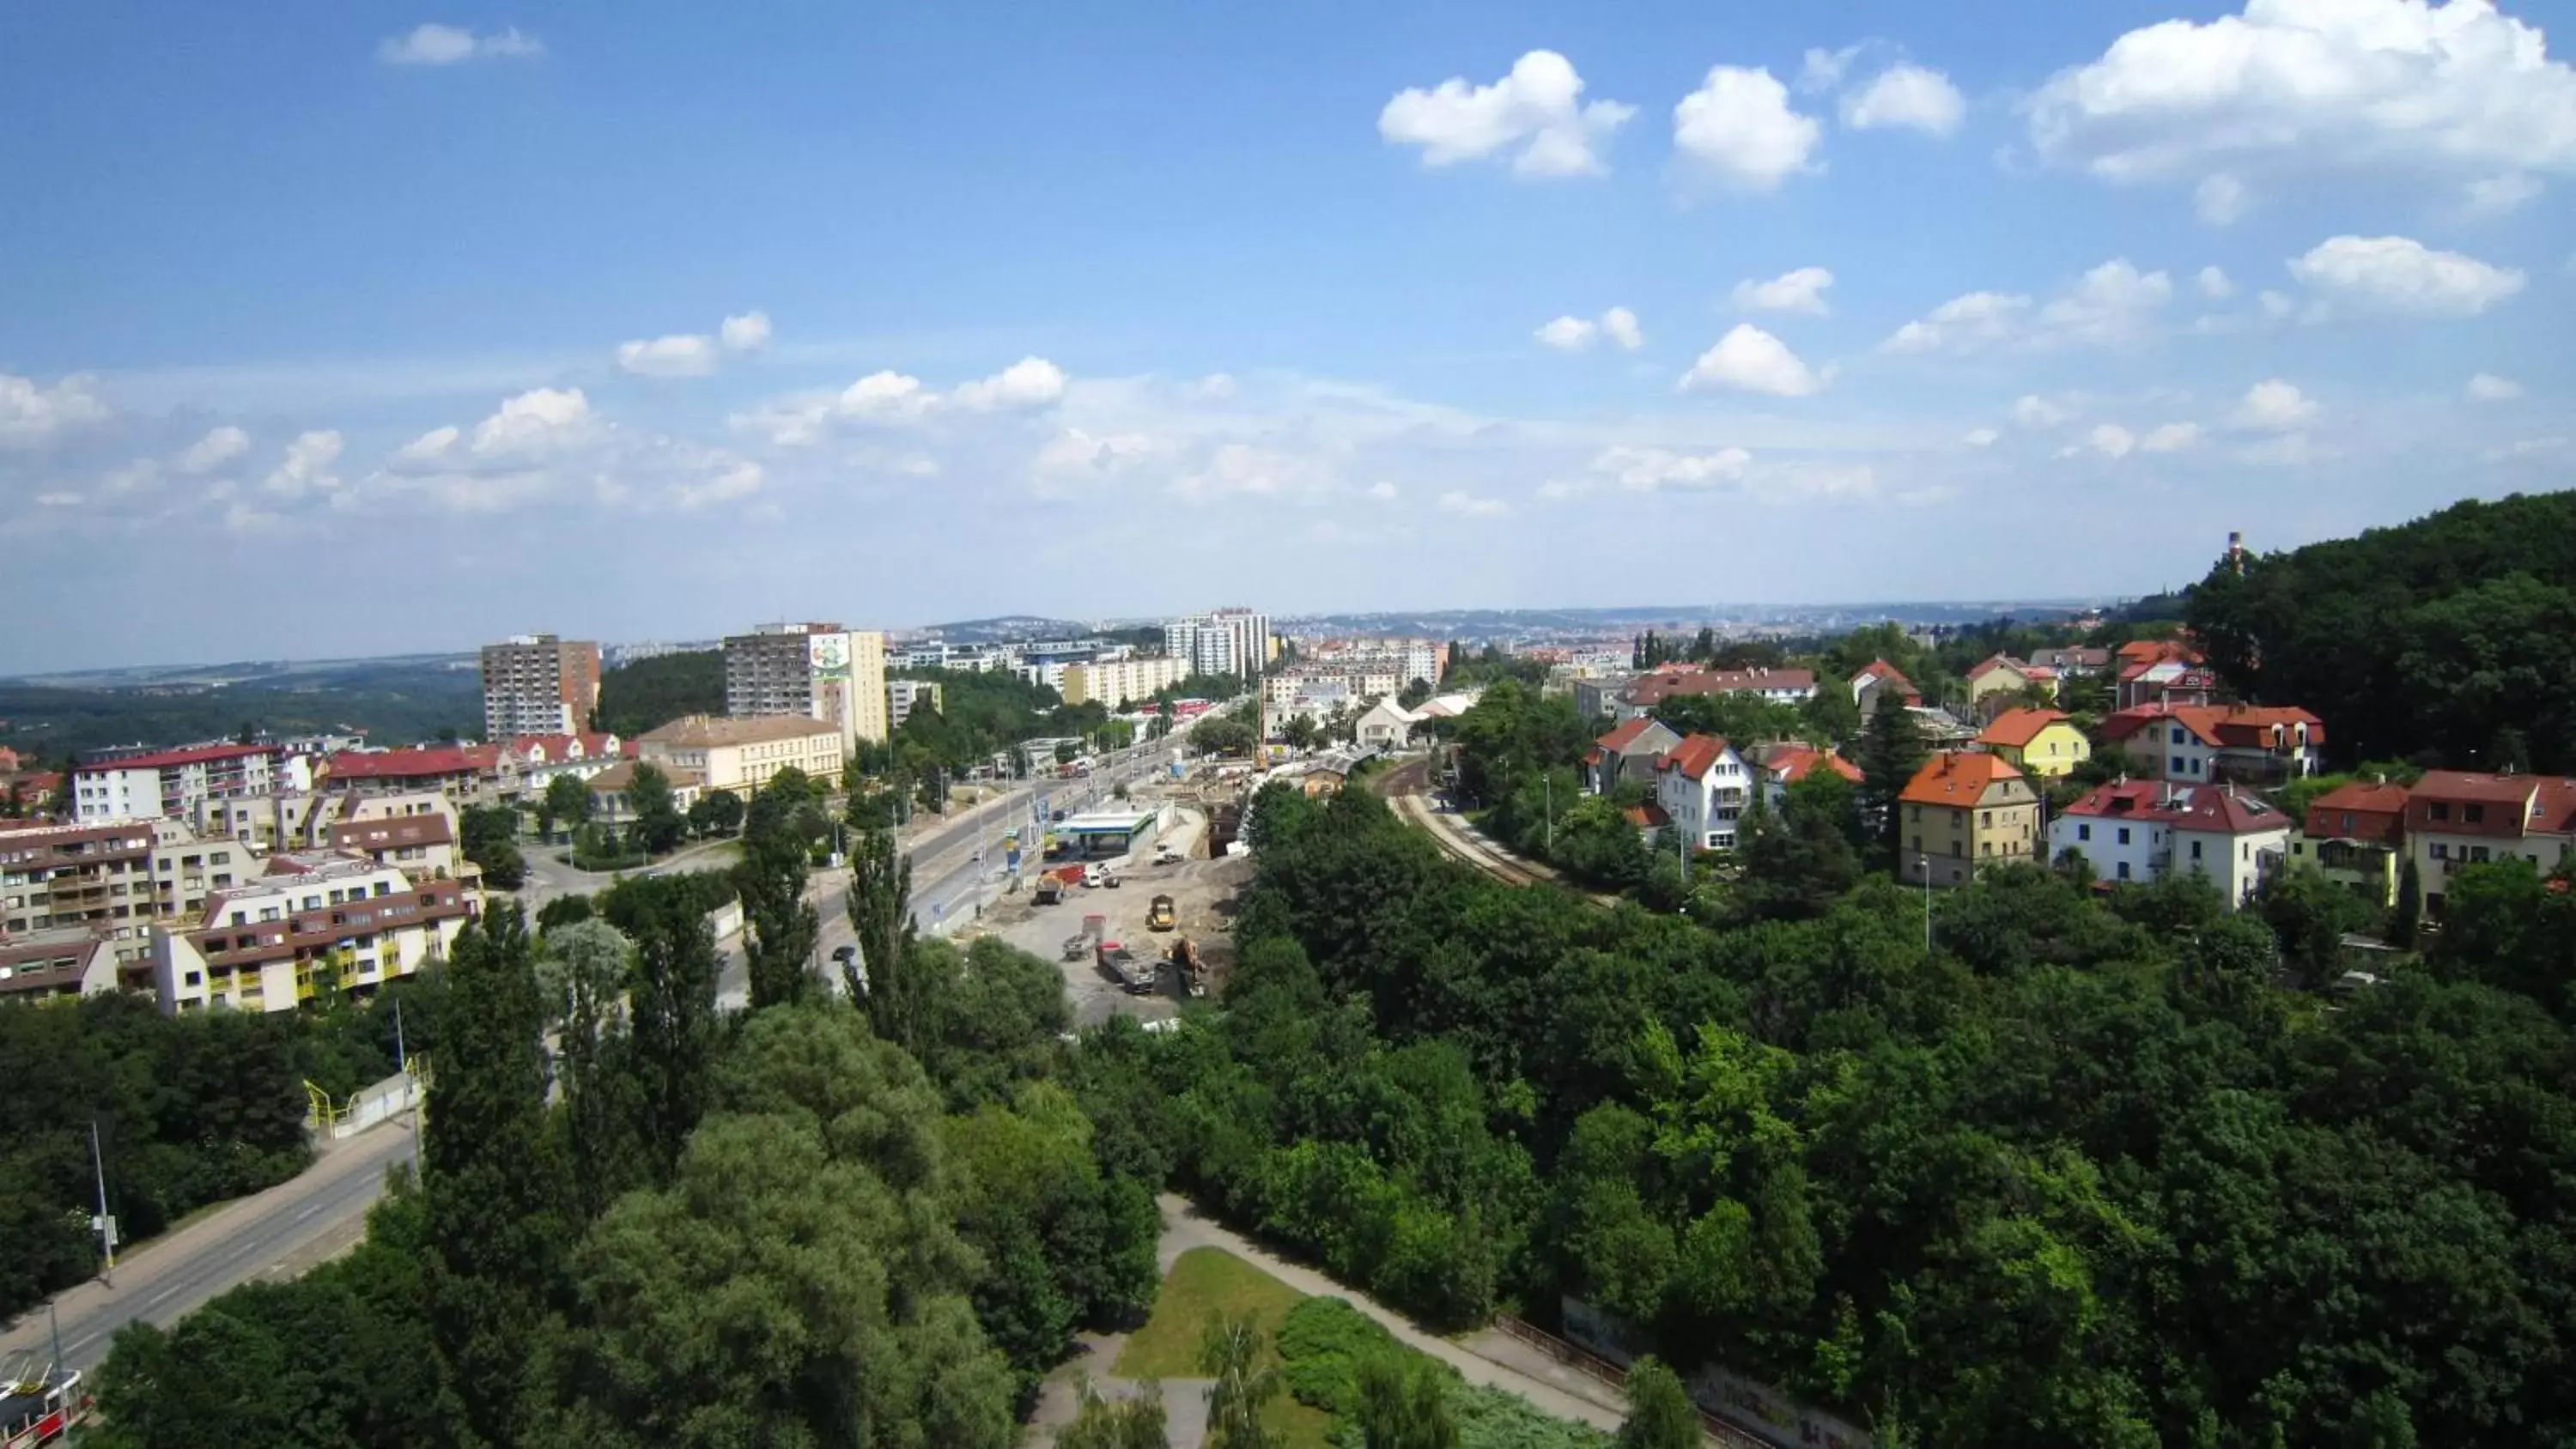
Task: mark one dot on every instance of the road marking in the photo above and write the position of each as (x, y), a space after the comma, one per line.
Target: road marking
(308, 1212)
(164, 1293)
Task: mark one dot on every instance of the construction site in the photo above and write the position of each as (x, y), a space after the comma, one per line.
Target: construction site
(1141, 932)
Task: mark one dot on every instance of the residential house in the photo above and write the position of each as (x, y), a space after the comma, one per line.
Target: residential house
(2041, 742)
(2139, 830)
(1387, 726)
(111, 878)
(2260, 745)
(2355, 835)
(2455, 818)
(527, 765)
(1629, 752)
(1640, 695)
(2000, 682)
(183, 784)
(56, 963)
(610, 803)
(1785, 763)
(313, 919)
(1879, 677)
(2162, 671)
(423, 847)
(2073, 660)
(741, 754)
(1962, 811)
(1941, 729)
(1703, 786)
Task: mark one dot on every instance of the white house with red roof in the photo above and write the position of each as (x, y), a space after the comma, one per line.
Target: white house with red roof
(1778, 766)
(2246, 744)
(2139, 830)
(461, 772)
(2456, 818)
(526, 765)
(1880, 677)
(1703, 785)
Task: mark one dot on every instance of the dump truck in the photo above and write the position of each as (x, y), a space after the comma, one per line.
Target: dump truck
(1160, 916)
(1077, 946)
(1119, 964)
(1053, 884)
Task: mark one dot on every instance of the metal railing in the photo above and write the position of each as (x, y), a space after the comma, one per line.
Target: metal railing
(1594, 1366)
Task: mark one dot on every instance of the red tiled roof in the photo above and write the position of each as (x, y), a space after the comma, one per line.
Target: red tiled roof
(2015, 728)
(1626, 734)
(2541, 803)
(1793, 763)
(2377, 796)
(2005, 661)
(1653, 689)
(1648, 814)
(1957, 780)
(1692, 756)
(2210, 808)
(198, 755)
(2155, 651)
(412, 763)
(2377, 812)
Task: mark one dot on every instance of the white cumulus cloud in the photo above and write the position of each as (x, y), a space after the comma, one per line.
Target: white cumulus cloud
(1574, 334)
(2275, 406)
(1739, 130)
(450, 45)
(2401, 276)
(1963, 324)
(2108, 439)
(2214, 284)
(1028, 383)
(683, 355)
(2112, 305)
(2487, 387)
(429, 448)
(218, 447)
(737, 480)
(2219, 199)
(31, 413)
(1906, 95)
(534, 422)
(1620, 326)
(2035, 412)
(2171, 438)
(1645, 470)
(1752, 360)
(2300, 87)
(1459, 500)
(306, 467)
(746, 333)
(1802, 290)
(1536, 115)
(1981, 437)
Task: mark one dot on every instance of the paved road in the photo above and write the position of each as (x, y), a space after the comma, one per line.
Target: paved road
(275, 1234)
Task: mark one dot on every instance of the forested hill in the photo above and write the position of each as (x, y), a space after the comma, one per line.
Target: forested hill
(2450, 640)
(653, 692)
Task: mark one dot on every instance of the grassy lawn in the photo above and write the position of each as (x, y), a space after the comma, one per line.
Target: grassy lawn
(1205, 1282)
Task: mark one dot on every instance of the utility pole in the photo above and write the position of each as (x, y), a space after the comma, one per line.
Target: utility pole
(1547, 793)
(1926, 862)
(106, 1224)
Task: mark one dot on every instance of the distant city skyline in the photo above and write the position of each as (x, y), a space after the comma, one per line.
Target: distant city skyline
(360, 331)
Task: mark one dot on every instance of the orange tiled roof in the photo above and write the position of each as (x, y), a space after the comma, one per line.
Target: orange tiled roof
(2015, 728)
(1956, 779)
(1693, 755)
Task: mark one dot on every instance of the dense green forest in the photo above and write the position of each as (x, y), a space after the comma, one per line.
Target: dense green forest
(394, 705)
(2081, 1175)
(650, 693)
(190, 1110)
(2450, 640)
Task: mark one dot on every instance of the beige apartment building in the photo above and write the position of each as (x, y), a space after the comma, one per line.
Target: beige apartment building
(1118, 682)
(1964, 811)
(817, 671)
(537, 684)
(741, 754)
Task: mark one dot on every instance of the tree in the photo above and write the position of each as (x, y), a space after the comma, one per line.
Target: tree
(880, 905)
(658, 823)
(779, 946)
(1799, 861)
(717, 812)
(490, 837)
(567, 802)
(1891, 751)
(1299, 732)
(673, 1002)
(1131, 1423)
(584, 971)
(1227, 1352)
(1660, 1413)
(1403, 1404)
(2408, 920)
(495, 1233)
(1415, 691)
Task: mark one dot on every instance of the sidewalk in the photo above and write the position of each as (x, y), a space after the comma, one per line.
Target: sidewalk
(1184, 1228)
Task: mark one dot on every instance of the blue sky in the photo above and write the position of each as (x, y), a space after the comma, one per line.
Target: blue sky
(356, 327)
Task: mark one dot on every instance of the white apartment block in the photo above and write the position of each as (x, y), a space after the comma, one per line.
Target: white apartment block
(741, 754)
(537, 684)
(310, 918)
(818, 671)
(182, 784)
(1228, 641)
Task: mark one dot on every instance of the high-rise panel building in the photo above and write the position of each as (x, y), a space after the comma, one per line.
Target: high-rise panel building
(820, 671)
(1227, 641)
(537, 684)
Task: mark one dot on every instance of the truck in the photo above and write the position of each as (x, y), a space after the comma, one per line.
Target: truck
(1160, 916)
(1189, 970)
(1121, 965)
(1052, 885)
(1077, 946)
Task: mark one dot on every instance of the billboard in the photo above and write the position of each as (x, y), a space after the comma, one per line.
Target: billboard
(827, 656)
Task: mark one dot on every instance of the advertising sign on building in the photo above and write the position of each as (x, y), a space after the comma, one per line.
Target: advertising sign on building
(827, 656)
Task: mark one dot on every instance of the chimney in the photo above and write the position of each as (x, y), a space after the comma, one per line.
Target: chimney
(2236, 553)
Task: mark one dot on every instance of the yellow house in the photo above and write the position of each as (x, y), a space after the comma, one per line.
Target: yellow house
(1963, 811)
(1997, 682)
(2040, 741)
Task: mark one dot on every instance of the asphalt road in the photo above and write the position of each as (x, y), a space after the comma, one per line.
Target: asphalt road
(275, 1234)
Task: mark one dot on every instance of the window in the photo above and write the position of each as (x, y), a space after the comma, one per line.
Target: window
(2438, 810)
(2084, 832)
(2124, 835)
(2441, 851)
(2477, 852)
(2124, 870)
(1918, 845)
(2195, 850)
(2177, 766)
(2474, 814)
(1917, 816)
(2347, 822)
(2177, 734)
(1957, 850)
